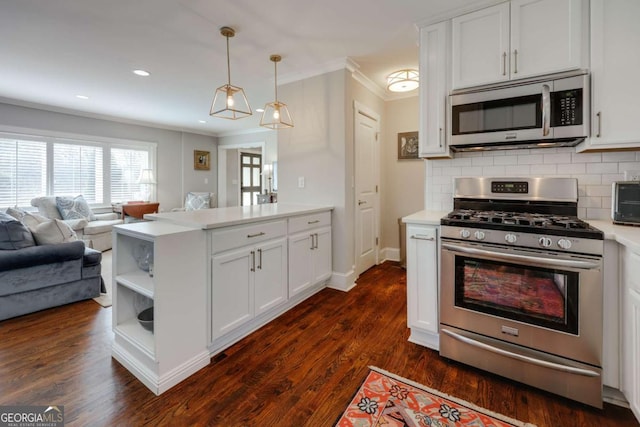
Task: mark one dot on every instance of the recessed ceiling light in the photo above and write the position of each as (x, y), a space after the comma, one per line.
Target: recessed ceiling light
(142, 73)
(259, 110)
(82, 97)
(202, 121)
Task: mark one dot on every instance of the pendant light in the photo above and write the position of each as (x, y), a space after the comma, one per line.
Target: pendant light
(230, 101)
(276, 114)
(403, 80)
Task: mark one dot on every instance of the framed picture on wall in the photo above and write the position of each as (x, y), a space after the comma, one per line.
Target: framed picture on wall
(408, 145)
(201, 160)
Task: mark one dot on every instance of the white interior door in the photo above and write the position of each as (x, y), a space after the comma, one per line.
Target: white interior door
(366, 188)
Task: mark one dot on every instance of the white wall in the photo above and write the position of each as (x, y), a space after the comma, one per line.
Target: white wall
(174, 154)
(403, 183)
(320, 148)
(315, 149)
(595, 173)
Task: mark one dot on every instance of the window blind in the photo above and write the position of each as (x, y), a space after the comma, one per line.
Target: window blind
(126, 165)
(77, 169)
(23, 171)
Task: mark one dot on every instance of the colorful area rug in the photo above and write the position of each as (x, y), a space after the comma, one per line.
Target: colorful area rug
(387, 400)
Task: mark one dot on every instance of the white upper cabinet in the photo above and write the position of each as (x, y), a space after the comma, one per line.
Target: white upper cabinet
(434, 89)
(615, 36)
(480, 47)
(518, 39)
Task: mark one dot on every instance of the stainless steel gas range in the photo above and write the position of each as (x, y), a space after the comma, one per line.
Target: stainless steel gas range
(521, 284)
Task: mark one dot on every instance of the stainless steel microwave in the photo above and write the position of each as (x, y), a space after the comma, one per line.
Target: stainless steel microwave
(625, 202)
(546, 112)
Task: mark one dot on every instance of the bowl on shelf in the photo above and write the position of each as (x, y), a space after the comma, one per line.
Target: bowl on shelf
(146, 319)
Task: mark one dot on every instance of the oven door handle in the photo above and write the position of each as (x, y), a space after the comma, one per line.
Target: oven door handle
(528, 359)
(567, 263)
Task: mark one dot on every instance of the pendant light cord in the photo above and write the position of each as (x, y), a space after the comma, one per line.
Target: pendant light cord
(228, 64)
(275, 82)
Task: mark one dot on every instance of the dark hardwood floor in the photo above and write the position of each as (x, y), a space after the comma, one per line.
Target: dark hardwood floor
(300, 370)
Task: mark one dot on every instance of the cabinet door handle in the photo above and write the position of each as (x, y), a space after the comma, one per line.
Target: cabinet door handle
(515, 61)
(419, 237)
(312, 242)
(249, 236)
(599, 116)
(440, 137)
(313, 222)
(316, 245)
(253, 261)
(504, 63)
(259, 259)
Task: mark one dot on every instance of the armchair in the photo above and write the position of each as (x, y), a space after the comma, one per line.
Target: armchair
(95, 230)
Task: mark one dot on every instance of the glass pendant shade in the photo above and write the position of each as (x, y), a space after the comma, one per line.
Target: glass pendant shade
(403, 81)
(276, 114)
(229, 102)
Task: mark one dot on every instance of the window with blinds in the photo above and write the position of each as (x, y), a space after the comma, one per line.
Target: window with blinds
(77, 169)
(23, 171)
(126, 165)
(51, 166)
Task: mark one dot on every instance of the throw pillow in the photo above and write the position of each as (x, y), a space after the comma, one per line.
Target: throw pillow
(14, 234)
(32, 220)
(197, 201)
(17, 213)
(74, 208)
(52, 232)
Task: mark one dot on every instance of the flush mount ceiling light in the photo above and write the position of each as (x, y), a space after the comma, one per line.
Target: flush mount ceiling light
(230, 101)
(403, 80)
(276, 114)
(141, 73)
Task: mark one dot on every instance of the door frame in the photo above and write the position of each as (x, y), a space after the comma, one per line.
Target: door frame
(222, 166)
(359, 108)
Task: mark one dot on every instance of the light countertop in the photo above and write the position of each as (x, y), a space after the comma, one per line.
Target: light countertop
(224, 217)
(425, 217)
(627, 235)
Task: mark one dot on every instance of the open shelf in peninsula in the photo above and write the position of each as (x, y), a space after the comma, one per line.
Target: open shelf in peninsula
(150, 265)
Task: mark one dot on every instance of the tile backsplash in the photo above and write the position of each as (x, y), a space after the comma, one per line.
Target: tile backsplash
(594, 171)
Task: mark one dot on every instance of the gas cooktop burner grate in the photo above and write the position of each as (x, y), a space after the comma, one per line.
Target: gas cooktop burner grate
(527, 221)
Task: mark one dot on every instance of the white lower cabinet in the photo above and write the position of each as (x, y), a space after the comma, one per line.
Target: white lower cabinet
(422, 284)
(630, 322)
(152, 271)
(309, 259)
(309, 251)
(247, 281)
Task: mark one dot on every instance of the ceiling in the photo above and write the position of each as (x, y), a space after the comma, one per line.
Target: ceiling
(54, 50)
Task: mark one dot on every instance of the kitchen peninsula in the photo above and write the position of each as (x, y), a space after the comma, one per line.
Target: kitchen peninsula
(213, 276)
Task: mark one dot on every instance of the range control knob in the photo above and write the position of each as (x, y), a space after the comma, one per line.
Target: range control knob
(564, 243)
(479, 235)
(464, 233)
(545, 242)
(510, 238)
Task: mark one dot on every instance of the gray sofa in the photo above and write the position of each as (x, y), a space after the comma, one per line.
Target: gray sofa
(34, 278)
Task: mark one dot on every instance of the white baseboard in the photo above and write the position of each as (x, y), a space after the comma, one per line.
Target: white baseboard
(389, 254)
(342, 281)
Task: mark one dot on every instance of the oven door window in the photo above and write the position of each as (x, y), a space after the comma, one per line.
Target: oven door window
(537, 296)
(523, 112)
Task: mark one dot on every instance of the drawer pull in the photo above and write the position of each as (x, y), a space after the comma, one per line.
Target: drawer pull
(422, 237)
(249, 236)
(313, 222)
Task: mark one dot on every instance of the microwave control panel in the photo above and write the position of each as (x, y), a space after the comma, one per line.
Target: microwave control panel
(566, 108)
